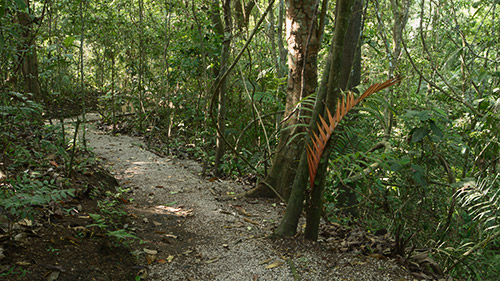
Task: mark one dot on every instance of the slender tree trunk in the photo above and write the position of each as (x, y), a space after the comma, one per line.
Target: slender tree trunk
(242, 13)
(314, 207)
(82, 89)
(281, 46)
(221, 114)
(303, 35)
(113, 100)
(400, 11)
(327, 96)
(28, 55)
(141, 56)
(350, 78)
(272, 38)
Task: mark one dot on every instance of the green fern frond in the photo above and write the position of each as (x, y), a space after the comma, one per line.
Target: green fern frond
(481, 199)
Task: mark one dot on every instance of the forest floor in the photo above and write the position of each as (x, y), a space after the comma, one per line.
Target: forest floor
(187, 232)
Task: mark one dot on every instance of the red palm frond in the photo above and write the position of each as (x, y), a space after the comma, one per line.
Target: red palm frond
(326, 129)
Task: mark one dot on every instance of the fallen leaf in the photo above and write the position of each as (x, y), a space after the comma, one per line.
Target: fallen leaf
(274, 264)
(212, 260)
(265, 261)
(377, 256)
(23, 263)
(26, 222)
(53, 276)
(250, 221)
(171, 236)
(157, 223)
(159, 186)
(150, 258)
(150, 252)
(21, 237)
(170, 258)
(161, 261)
(125, 201)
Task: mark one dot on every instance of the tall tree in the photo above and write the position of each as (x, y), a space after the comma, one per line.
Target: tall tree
(327, 96)
(27, 51)
(350, 77)
(304, 30)
(221, 113)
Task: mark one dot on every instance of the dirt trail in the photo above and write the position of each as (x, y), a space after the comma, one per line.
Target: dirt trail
(197, 237)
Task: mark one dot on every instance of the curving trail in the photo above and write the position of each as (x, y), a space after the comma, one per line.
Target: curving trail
(190, 235)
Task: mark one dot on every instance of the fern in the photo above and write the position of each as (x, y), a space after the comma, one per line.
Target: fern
(481, 200)
(326, 129)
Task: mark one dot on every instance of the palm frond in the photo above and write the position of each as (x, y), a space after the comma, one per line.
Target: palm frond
(481, 199)
(325, 129)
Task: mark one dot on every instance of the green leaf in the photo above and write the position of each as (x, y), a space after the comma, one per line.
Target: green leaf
(419, 134)
(395, 166)
(435, 130)
(404, 161)
(412, 113)
(2, 8)
(69, 41)
(21, 4)
(424, 115)
(419, 175)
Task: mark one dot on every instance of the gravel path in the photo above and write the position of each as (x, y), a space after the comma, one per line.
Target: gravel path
(191, 235)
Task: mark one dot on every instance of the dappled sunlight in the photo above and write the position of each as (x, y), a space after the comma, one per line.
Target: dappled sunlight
(177, 211)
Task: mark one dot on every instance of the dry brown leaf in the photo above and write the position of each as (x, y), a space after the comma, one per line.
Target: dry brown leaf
(275, 264)
(150, 258)
(250, 221)
(378, 256)
(150, 252)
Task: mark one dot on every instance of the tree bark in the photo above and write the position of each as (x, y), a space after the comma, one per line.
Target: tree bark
(303, 35)
(329, 92)
(350, 77)
(314, 207)
(242, 13)
(28, 55)
(221, 114)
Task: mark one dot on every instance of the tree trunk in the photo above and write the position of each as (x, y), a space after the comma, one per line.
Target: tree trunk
(28, 55)
(242, 13)
(281, 46)
(141, 58)
(303, 35)
(349, 79)
(221, 114)
(329, 92)
(344, 13)
(82, 91)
